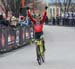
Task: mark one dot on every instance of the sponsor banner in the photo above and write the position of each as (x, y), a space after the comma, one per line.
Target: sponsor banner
(3, 40)
(23, 34)
(31, 33)
(11, 38)
(23, 37)
(17, 37)
(27, 34)
(20, 36)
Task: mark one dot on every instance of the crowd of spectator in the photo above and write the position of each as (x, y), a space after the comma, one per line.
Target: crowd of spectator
(14, 21)
(67, 20)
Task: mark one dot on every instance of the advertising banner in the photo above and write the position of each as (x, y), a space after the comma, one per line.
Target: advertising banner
(31, 33)
(27, 33)
(17, 37)
(22, 36)
(11, 38)
(3, 40)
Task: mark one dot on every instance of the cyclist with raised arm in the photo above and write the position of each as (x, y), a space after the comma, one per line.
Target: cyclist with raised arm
(38, 23)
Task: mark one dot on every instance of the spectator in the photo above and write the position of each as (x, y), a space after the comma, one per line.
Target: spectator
(21, 18)
(3, 22)
(53, 21)
(14, 21)
(46, 21)
(57, 18)
(24, 21)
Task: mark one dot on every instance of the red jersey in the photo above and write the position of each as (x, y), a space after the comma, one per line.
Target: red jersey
(39, 27)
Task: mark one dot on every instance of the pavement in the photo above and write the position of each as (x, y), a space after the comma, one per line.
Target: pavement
(60, 51)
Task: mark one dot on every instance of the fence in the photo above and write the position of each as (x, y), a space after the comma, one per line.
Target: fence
(11, 38)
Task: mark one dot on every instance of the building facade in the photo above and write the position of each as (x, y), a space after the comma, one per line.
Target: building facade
(53, 10)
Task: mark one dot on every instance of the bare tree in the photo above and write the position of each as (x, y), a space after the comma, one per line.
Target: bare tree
(6, 6)
(12, 5)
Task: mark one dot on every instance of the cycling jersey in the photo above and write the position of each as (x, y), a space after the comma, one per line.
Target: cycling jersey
(37, 27)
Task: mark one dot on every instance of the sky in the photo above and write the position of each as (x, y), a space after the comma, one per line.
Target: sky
(51, 1)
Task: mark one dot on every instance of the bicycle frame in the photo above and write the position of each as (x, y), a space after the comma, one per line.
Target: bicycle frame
(40, 51)
(40, 45)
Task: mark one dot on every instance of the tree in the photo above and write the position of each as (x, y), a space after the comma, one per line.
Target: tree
(12, 5)
(6, 6)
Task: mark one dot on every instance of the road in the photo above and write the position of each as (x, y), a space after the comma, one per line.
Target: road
(60, 51)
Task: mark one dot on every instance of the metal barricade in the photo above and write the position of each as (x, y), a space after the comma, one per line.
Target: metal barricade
(11, 38)
(3, 40)
(17, 31)
(27, 34)
(22, 36)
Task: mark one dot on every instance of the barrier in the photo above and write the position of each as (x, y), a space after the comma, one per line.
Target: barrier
(11, 38)
(22, 36)
(31, 33)
(3, 40)
(17, 33)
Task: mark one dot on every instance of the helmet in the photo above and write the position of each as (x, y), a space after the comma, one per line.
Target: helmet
(37, 15)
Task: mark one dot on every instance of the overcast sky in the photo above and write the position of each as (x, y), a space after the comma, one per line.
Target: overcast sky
(51, 1)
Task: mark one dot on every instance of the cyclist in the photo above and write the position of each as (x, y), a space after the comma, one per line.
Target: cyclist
(38, 24)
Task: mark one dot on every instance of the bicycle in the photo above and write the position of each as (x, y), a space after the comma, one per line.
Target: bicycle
(40, 51)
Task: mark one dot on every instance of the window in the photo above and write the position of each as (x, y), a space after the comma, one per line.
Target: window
(51, 12)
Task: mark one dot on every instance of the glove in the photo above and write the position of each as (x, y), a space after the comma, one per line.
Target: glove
(27, 8)
(46, 7)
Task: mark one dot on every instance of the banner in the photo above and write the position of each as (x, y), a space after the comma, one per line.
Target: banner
(17, 37)
(27, 33)
(3, 40)
(31, 33)
(11, 38)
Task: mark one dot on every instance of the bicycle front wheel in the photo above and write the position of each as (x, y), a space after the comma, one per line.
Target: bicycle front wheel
(39, 58)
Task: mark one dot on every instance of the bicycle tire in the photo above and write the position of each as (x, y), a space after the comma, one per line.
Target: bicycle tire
(39, 60)
(40, 54)
(43, 58)
(43, 54)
